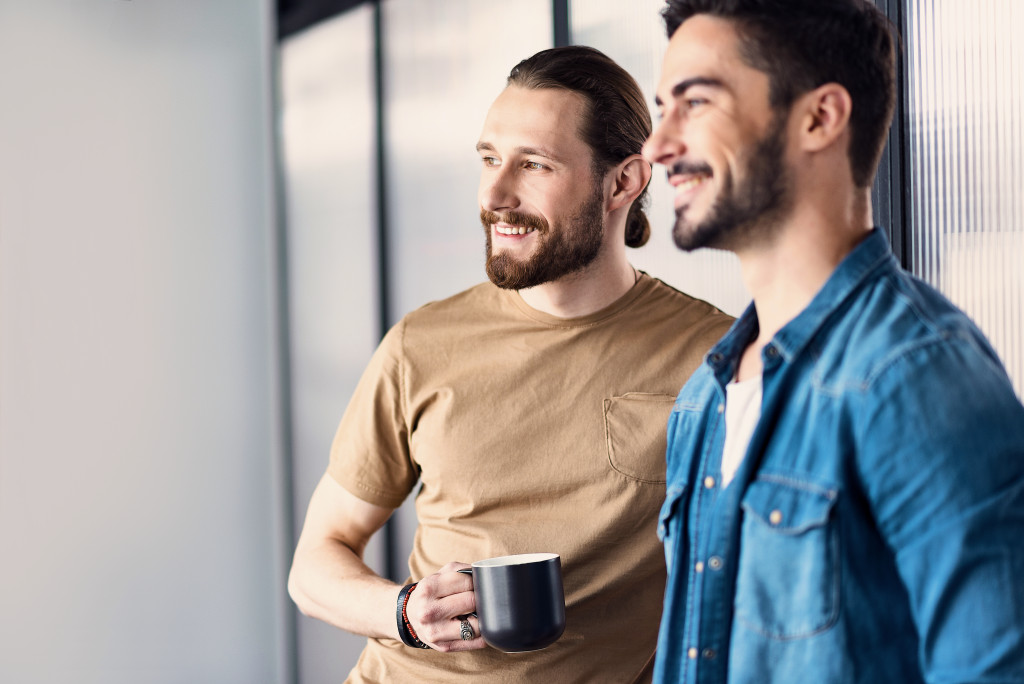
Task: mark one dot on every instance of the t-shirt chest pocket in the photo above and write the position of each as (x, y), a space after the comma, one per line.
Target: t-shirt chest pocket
(635, 425)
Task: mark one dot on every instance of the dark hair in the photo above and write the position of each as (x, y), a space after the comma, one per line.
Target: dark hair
(803, 44)
(616, 121)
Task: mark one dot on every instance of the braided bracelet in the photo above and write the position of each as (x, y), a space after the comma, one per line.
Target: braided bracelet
(405, 630)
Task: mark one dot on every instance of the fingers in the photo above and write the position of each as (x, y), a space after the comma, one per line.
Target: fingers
(454, 566)
(468, 635)
(435, 607)
(450, 593)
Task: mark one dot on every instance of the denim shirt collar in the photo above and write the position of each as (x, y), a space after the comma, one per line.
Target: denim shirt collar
(873, 252)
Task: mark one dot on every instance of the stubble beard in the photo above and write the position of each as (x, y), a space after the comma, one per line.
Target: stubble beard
(748, 211)
(572, 245)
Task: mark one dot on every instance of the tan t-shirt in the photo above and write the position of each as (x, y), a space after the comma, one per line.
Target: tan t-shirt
(530, 433)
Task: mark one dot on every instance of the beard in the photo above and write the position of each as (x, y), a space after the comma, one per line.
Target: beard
(759, 200)
(568, 247)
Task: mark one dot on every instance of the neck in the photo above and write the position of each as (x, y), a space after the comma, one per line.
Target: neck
(785, 275)
(582, 293)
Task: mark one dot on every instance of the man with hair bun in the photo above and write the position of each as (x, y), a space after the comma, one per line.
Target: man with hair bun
(530, 409)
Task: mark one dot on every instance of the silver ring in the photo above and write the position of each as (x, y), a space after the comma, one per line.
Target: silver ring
(467, 630)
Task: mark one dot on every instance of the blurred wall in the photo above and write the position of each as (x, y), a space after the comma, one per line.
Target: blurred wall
(139, 417)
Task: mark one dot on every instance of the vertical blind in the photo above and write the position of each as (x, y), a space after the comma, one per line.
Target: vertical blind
(965, 110)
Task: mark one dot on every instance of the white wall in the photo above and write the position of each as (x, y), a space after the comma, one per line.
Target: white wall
(138, 405)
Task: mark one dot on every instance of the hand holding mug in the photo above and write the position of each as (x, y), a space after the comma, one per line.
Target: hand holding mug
(441, 611)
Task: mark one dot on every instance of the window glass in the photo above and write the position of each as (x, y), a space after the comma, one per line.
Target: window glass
(633, 34)
(328, 163)
(445, 61)
(965, 66)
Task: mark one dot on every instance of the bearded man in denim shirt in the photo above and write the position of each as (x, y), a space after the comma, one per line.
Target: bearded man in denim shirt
(846, 470)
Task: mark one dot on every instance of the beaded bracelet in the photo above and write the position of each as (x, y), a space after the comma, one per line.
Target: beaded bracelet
(405, 630)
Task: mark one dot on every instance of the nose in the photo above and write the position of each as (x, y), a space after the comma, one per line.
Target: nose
(497, 189)
(666, 142)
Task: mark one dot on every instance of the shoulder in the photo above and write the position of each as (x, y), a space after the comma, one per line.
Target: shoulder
(476, 303)
(667, 295)
(480, 294)
(926, 324)
(892, 325)
(917, 369)
(695, 316)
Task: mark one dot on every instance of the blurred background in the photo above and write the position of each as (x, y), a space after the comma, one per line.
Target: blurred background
(210, 211)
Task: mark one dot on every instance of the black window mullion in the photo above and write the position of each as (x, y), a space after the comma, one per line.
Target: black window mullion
(560, 21)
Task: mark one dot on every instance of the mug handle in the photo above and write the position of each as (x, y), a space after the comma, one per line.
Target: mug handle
(467, 571)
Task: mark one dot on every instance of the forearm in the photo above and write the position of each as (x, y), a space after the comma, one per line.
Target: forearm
(330, 582)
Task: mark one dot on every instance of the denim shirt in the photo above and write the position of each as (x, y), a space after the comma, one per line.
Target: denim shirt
(874, 532)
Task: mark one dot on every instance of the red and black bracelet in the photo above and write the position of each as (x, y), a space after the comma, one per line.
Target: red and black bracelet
(405, 630)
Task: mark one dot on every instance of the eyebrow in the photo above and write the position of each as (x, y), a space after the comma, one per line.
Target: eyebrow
(483, 146)
(684, 85)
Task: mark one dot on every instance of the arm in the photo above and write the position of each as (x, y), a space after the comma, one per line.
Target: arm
(947, 486)
(329, 580)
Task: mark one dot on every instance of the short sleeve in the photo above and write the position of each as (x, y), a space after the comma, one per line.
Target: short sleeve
(370, 453)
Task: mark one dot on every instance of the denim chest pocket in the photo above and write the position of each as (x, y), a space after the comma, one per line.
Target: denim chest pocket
(787, 584)
(635, 425)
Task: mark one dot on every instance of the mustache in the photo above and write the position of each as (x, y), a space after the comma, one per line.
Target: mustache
(684, 168)
(514, 218)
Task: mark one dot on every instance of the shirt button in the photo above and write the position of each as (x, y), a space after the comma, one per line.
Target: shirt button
(709, 653)
(771, 351)
(775, 517)
(715, 563)
(698, 566)
(709, 482)
(692, 653)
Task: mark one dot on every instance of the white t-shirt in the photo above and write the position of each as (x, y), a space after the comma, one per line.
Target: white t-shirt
(742, 411)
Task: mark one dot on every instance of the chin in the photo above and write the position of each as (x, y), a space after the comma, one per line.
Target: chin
(708, 235)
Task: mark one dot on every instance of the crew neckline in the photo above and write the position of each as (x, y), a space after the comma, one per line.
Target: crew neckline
(640, 287)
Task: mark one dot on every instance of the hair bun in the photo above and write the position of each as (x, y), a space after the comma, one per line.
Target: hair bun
(638, 228)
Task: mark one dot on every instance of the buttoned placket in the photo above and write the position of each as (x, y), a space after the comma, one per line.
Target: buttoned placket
(719, 509)
(704, 634)
(714, 525)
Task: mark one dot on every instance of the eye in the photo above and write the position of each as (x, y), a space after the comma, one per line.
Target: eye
(534, 166)
(490, 161)
(694, 102)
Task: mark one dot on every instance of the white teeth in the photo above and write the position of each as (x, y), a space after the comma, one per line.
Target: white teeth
(513, 230)
(690, 183)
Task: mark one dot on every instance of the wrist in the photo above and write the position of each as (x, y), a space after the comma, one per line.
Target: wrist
(405, 630)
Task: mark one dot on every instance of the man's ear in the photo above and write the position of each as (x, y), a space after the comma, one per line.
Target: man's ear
(629, 178)
(825, 116)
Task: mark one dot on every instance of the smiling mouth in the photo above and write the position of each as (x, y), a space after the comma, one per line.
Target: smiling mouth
(689, 182)
(506, 229)
(685, 185)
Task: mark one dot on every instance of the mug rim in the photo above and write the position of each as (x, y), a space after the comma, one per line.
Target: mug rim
(516, 559)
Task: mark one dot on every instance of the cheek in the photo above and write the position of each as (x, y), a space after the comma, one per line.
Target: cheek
(543, 200)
